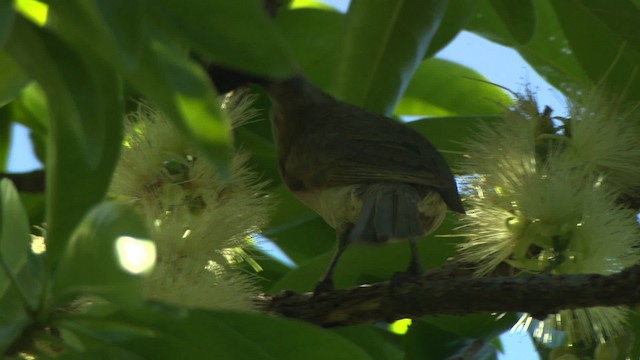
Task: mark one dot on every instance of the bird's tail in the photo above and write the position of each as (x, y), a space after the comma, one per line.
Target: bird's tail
(389, 211)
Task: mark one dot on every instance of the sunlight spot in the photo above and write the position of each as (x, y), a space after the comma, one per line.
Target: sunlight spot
(136, 255)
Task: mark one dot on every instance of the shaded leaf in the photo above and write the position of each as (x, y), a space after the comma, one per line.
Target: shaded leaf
(5, 136)
(18, 294)
(548, 51)
(428, 342)
(85, 104)
(622, 17)
(14, 235)
(314, 35)
(518, 17)
(6, 17)
(208, 334)
(383, 45)
(12, 78)
(456, 17)
(378, 343)
(550, 54)
(117, 25)
(303, 239)
(237, 34)
(93, 262)
(604, 55)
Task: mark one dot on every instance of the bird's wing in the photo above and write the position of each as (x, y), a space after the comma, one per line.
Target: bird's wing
(352, 156)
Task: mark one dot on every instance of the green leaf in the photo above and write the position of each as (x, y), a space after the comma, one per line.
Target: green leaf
(174, 333)
(383, 44)
(18, 293)
(14, 235)
(181, 89)
(548, 51)
(378, 343)
(6, 17)
(448, 134)
(117, 25)
(30, 109)
(303, 239)
(314, 35)
(621, 17)
(5, 136)
(441, 88)
(428, 342)
(237, 34)
(448, 335)
(290, 212)
(606, 55)
(518, 17)
(100, 258)
(12, 78)
(456, 17)
(85, 109)
(487, 23)
(550, 54)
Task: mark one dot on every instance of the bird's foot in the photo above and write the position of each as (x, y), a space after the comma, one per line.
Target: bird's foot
(324, 286)
(400, 278)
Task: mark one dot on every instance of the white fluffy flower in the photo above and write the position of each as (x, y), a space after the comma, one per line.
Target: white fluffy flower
(196, 218)
(544, 200)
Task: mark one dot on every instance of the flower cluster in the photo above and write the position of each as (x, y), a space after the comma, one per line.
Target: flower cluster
(546, 195)
(200, 222)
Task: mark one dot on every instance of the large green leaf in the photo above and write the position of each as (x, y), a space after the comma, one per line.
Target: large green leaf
(303, 239)
(518, 17)
(100, 259)
(548, 51)
(85, 111)
(314, 35)
(6, 17)
(379, 343)
(117, 25)
(621, 17)
(18, 295)
(237, 34)
(383, 44)
(5, 136)
(12, 78)
(607, 55)
(429, 342)
(438, 337)
(14, 235)
(456, 17)
(442, 88)
(172, 334)
(30, 109)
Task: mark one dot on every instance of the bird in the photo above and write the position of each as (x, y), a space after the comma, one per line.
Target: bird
(373, 179)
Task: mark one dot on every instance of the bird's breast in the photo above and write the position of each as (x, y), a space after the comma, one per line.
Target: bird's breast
(338, 206)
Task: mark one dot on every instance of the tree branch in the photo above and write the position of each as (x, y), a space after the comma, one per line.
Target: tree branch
(442, 291)
(33, 181)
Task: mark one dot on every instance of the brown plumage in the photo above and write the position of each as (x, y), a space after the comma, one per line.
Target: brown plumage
(371, 178)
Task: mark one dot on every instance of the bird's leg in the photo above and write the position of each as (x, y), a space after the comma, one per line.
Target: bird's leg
(326, 282)
(415, 268)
